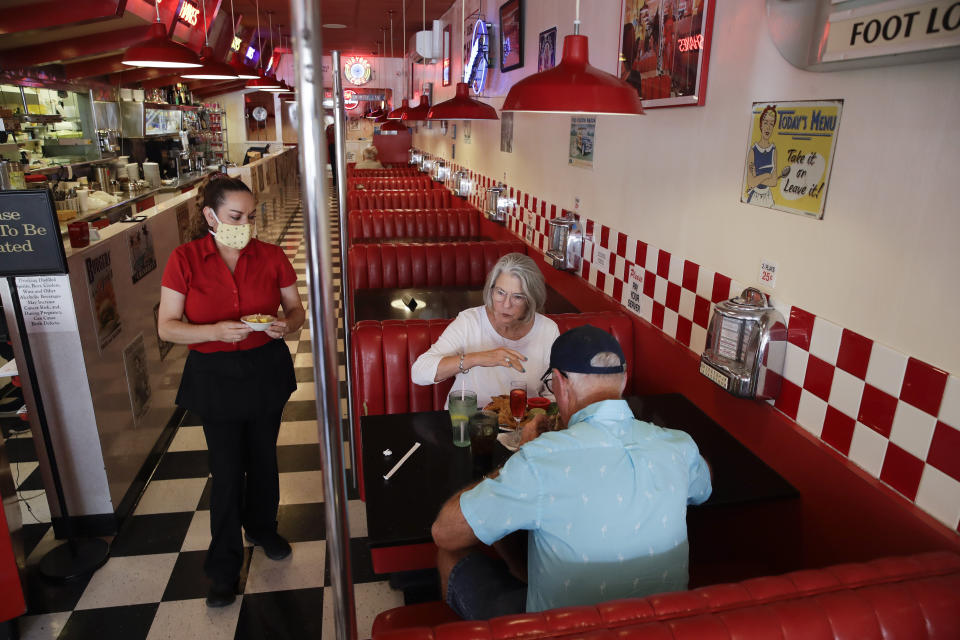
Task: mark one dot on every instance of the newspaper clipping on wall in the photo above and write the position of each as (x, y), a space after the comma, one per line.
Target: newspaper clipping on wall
(138, 378)
(103, 299)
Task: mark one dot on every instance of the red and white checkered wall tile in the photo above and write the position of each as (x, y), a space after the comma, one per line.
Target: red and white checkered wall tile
(896, 417)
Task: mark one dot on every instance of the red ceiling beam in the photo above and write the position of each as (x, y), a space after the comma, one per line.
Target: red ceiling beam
(219, 89)
(95, 67)
(98, 43)
(136, 76)
(57, 13)
(160, 81)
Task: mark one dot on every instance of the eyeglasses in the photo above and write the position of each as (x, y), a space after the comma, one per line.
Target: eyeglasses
(547, 379)
(515, 298)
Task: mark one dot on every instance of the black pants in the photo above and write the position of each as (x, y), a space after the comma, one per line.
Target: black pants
(246, 488)
(239, 397)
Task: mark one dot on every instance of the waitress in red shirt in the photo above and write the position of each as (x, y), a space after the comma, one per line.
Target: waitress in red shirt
(235, 379)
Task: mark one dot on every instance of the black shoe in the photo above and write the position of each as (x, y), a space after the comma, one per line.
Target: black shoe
(221, 594)
(274, 545)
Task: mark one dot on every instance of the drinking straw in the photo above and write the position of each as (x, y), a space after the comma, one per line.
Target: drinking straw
(463, 436)
(416, 445)
(463, 389)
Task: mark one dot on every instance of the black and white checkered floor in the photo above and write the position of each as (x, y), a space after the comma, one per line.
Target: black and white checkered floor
(153, 584)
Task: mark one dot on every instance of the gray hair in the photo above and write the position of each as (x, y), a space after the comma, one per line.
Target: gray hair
(531, 282)
(591, 382)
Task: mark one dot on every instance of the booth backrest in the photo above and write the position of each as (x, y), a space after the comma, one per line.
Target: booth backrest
(437, 264)
(903, 598)
(383, 353)
(425, 224)
(395, 172)
(419, 199)
(409, 183)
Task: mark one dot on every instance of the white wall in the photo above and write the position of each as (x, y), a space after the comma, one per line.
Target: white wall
(883, 260)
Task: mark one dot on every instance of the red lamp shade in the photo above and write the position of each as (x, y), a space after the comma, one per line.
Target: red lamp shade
(393, 125)
(381, 118)
(263, 84)
(212, 68)
(160, 52)
(398, 112)
(242, 71)
(376, 113)
(462, 107)
(418, 112)
(573, 86)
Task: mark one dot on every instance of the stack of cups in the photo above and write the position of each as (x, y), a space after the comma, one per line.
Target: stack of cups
(133, 171)
(151, 173)
(82, 195)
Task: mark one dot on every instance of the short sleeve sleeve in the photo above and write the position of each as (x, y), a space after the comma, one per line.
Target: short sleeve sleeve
(287, 275)
(700, 486)
(176, 275)
(507, 503)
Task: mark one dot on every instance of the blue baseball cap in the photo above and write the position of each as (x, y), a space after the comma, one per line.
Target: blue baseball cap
(573, 350)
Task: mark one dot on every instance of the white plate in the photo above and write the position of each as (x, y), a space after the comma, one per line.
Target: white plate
(258, 326)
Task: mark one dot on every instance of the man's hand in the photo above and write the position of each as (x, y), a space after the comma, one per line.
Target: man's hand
(536, 426)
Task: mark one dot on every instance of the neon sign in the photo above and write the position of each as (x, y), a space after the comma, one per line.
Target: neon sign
(251, 52)
(475, 71)
(350, 99)
(235, 45)
(189, 13)
(691, 43)
(357, 70)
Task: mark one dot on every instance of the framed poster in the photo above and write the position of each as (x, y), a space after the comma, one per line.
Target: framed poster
(665, 50)
(511, 35)
(790, 155)
(446, 55)
(583, 132)
(547, 55)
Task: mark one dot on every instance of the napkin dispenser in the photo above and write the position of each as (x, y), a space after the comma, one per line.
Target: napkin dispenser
(462, 184)
(441, 172)
(498, 205)
(746, 346)
(566, 243)
(427, 164)
(415, 156)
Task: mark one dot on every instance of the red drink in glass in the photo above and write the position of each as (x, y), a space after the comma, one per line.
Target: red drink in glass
(518, 403)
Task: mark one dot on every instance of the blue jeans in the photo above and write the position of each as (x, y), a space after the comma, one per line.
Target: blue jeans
(481, 587)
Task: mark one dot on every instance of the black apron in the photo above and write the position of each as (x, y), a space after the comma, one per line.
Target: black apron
(236, 385)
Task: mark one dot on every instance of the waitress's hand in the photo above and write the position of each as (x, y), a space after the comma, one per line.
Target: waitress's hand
(230, 331)
(499, 357)
(277, 329)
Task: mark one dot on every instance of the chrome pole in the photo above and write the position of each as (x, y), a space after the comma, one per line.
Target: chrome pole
(323, 318)
(346, 297)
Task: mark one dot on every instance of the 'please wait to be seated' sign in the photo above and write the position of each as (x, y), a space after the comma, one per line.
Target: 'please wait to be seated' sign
(30, 242)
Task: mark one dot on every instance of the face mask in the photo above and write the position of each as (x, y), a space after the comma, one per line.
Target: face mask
(235, 236)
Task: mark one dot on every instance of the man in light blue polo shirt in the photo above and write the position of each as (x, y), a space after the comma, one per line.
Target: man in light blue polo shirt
(604, 501)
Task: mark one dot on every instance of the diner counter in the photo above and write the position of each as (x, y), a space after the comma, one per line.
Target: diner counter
(108, 382)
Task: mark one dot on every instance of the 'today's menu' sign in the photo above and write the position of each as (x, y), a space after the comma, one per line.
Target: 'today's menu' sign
(30, 242)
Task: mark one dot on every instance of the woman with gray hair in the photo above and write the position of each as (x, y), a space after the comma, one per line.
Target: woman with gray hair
(506, 339)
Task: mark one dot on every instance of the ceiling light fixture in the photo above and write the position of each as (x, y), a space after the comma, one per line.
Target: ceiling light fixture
(418, 112)
(573, 86)
(242, 71)
(462, 107)
(262, 83)
(212, 68)
(159, 51)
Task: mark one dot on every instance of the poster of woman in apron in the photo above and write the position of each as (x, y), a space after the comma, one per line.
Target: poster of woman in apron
(762, 172)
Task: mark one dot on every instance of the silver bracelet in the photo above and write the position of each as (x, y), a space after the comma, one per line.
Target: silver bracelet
(460, 366)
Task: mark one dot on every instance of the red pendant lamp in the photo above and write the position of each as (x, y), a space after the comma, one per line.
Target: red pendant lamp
(418, 112)
(462, 107)
(212, 68)
(262, 82)
(573, 86)
(397, 114)
(242, 71)
(159, 51)
(381, 118)
(393, 125)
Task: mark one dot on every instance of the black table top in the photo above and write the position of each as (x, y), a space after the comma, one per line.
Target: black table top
(401, 510)
(433, 302)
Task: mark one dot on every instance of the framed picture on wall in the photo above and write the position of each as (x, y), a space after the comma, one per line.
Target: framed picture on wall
(446, 55)
(665, 50)
(547, 54)
(511, 35)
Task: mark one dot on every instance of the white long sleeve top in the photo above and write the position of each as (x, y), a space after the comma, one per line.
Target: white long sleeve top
(470, 332)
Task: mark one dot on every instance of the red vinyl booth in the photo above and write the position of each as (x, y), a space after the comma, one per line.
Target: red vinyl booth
(394, 172)
(439, 264)
(419, 199)
(411, 183)
(901, 598)
(428, 224)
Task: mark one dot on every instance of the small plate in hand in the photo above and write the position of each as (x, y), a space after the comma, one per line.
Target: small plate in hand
(258, 321)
